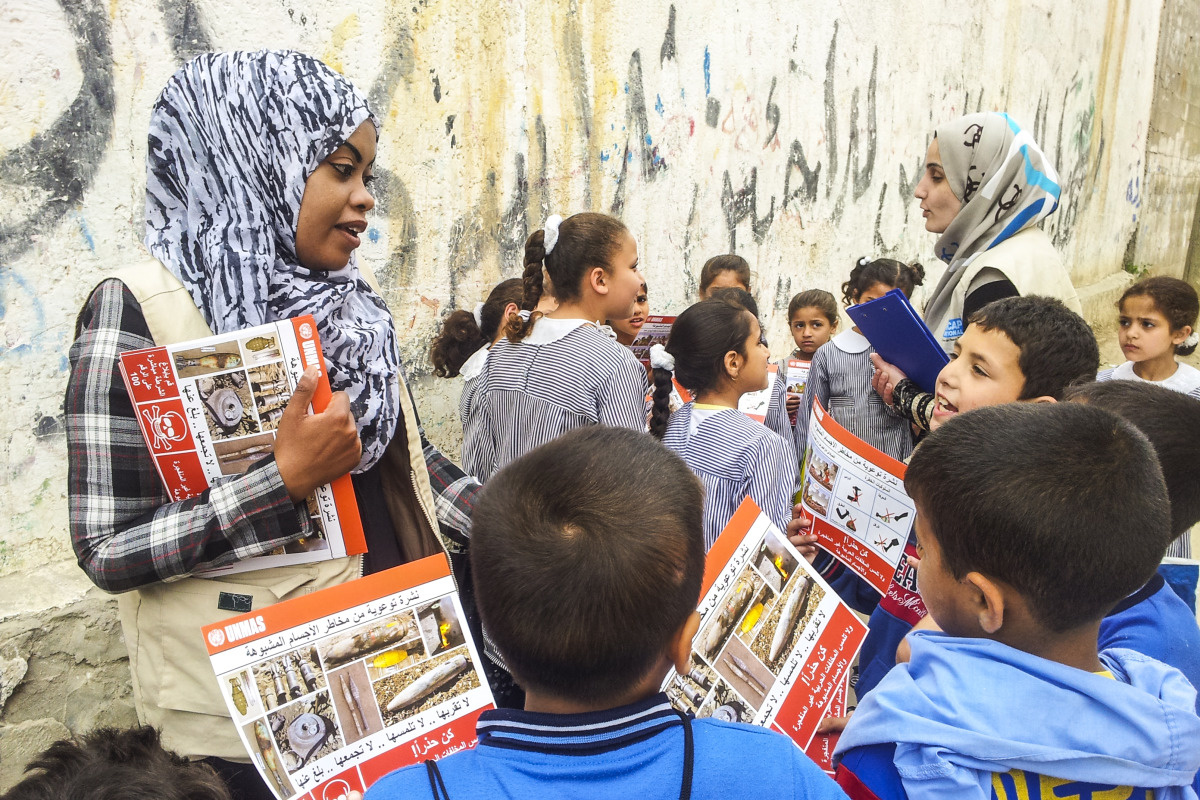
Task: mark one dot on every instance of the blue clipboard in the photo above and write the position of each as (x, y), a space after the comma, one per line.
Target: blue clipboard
(901, 337)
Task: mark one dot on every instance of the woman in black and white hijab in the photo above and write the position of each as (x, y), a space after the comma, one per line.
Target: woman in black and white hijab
(259, 168)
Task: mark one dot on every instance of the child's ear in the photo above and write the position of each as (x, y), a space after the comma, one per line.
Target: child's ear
(733, 364)
(597, 279)
(988, 600)
(1178, 337)
(680, 648)
(1043, 399)
(510, 309)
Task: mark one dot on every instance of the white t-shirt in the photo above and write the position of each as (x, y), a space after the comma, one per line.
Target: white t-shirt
(1185, 380)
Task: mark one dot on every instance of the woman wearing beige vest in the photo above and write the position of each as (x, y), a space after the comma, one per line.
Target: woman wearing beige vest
(986, 187)
(258, 178)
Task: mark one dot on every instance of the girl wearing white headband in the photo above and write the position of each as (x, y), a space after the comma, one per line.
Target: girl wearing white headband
(558, 371)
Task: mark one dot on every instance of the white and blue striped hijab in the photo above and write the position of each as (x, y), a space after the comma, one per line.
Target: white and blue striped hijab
(233, 138)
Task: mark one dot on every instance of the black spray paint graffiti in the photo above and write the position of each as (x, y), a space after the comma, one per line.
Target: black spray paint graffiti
(638, 144)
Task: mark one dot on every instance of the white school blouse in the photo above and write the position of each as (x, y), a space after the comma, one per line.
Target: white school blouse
(565, 374)
(734, 457)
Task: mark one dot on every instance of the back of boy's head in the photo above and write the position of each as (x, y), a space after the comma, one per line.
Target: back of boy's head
(891, 273)
(111, 764)
(819, 299)
(736, 296)
(1063, 502)
(587, 555)
(700, 337)
(462, 334)
(1175, 299)
(1058, 349)
(730, 262)
(585, 241)
(1171, 421)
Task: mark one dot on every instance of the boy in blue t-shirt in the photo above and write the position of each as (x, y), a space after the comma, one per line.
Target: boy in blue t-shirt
(1033, 521)
(587, 555)
(1154, 620)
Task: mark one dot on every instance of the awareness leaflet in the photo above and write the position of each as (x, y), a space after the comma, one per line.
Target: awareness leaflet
(754, 404)
(854, 495)
(775, 642)
(797, 379)
(655, 330)
(333, 690)
(821, 748)
(210, 407)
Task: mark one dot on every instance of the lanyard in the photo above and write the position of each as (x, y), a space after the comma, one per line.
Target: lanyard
(438, 786)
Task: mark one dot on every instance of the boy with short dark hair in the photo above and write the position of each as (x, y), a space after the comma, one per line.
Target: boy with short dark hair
(1027, 349)
(1154, 620)
(588, 555)
(110, 763)
(1033, 521)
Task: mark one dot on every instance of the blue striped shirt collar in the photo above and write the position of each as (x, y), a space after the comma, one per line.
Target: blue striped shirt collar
(576, 734)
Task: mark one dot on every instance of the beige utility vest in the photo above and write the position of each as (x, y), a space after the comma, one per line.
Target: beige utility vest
(1030, 263)
(174, 686)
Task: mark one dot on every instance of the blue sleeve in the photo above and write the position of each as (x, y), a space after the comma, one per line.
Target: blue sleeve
(777, 417)
(878, 655)
(622, 399)
(870, 773)
(817, 387)
(811, 782)
(857, 593)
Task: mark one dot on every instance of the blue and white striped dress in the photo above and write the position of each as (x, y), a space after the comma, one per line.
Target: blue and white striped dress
(734, 457)
(840, 378)
(470, 370)
(565, 374)
(777, 417)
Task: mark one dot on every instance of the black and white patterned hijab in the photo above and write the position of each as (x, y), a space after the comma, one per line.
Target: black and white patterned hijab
(233, 138)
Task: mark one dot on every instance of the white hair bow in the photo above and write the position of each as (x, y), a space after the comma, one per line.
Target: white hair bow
(550, 232)
(661, 359)
(478, 314)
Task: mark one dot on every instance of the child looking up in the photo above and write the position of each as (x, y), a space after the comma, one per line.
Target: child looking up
(717, 353)
(591, 612)
(725, 271)
(627, 329)
(812, 319)
(1033, 521)
(558, 371)
(1019, 349)
(841, 373)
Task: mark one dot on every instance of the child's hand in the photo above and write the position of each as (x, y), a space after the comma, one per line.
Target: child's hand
(793, 403)
(798, 535)
(832, 725)
(885, 378)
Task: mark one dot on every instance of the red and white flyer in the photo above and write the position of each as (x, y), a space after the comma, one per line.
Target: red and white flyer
(775, 643)
(333, 690)
(797, 375)
(854, 495)
(821, 748)
(210, 407)
(656, 330)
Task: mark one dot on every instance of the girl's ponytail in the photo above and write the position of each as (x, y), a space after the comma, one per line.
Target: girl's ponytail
(660, 410)
(535, 257)
(459, 338)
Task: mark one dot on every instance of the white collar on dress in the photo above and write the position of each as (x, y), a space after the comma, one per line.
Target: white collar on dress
(850, 341)
(474, 365)
(548, 329)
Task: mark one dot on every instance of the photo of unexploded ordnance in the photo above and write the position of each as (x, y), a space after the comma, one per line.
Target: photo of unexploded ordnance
(305, 731)
(354, 702)
(693, 687)
(207, 359)
(822, 468)
(747, 627)
(226, 402)
(260, 349)
(744, 672)
(725, 704)
(238, 455)
(440, 626)
(267, 758)
(386, 634)
(425, 685)
(787, 618)
(271, 390)
(816, 498)
(396, 659)
(774, 561)
(287, 677)
(241, 691)
(728, 613)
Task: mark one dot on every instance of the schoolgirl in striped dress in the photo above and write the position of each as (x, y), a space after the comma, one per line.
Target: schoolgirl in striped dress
(555, 372)
(717, 352)
(840, 376)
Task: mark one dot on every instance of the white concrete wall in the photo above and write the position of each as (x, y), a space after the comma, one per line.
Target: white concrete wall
(792, 132)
